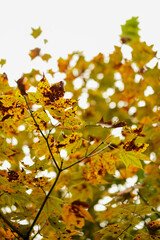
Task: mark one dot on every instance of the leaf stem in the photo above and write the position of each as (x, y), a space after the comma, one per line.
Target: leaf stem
(123, 231)
(45, 138)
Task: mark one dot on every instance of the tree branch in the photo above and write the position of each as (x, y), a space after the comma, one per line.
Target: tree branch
(45, 138)
(44, 202)
(11, 226)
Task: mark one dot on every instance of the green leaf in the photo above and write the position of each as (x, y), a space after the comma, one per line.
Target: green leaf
(142, 53)
(36, 32)
(130, 31)
(139, 210)
(110, 232)
(53, 206)
(56, 224)
(133, 158)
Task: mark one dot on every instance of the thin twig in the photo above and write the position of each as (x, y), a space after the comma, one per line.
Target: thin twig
(89, 155)
(39, 230)
(102, 149)
(49, 133)
(43, 190)
(46, 138)
(87, 148)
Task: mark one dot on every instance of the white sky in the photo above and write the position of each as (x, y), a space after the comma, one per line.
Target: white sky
(91, 26)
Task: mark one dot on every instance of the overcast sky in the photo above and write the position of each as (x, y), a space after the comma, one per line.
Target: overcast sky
(90, 26)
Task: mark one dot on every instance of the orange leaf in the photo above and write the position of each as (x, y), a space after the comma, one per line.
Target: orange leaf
(75, 214)
(34, 53)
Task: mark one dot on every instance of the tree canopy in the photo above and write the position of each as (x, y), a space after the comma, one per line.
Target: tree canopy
(80, 157)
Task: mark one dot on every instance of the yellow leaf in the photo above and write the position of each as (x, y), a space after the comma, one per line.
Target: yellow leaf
(36, 32)
(4, 86)
(50, 94)
(46, 57)
(109, 162)
(130, 171)
(2, 62)
(75, 214)
(98, 166)
(132, 157)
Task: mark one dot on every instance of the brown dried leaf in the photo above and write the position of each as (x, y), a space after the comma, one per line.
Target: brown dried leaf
(22, 87)
(109, 124)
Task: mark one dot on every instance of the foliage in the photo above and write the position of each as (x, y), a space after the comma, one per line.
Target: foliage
(65, 174)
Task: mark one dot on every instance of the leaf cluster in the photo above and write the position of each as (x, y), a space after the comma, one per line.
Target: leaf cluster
(73, 169)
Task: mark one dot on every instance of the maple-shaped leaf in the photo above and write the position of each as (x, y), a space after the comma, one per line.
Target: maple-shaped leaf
(75, 214)
(110, 232)
(132, 157)
(109, 124)
(34, 53)
(71, 142)
(2, 62)
(139, 209)
(131, 145)
(53, 206)
(135, 131)
(142, 53)
(46, 57)
(98, 166)
(12, 107)
(36, 32)
(130, 30)
(41, 118)
(61, 231)
(145, 236)
(22, 86)
(50, 94)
